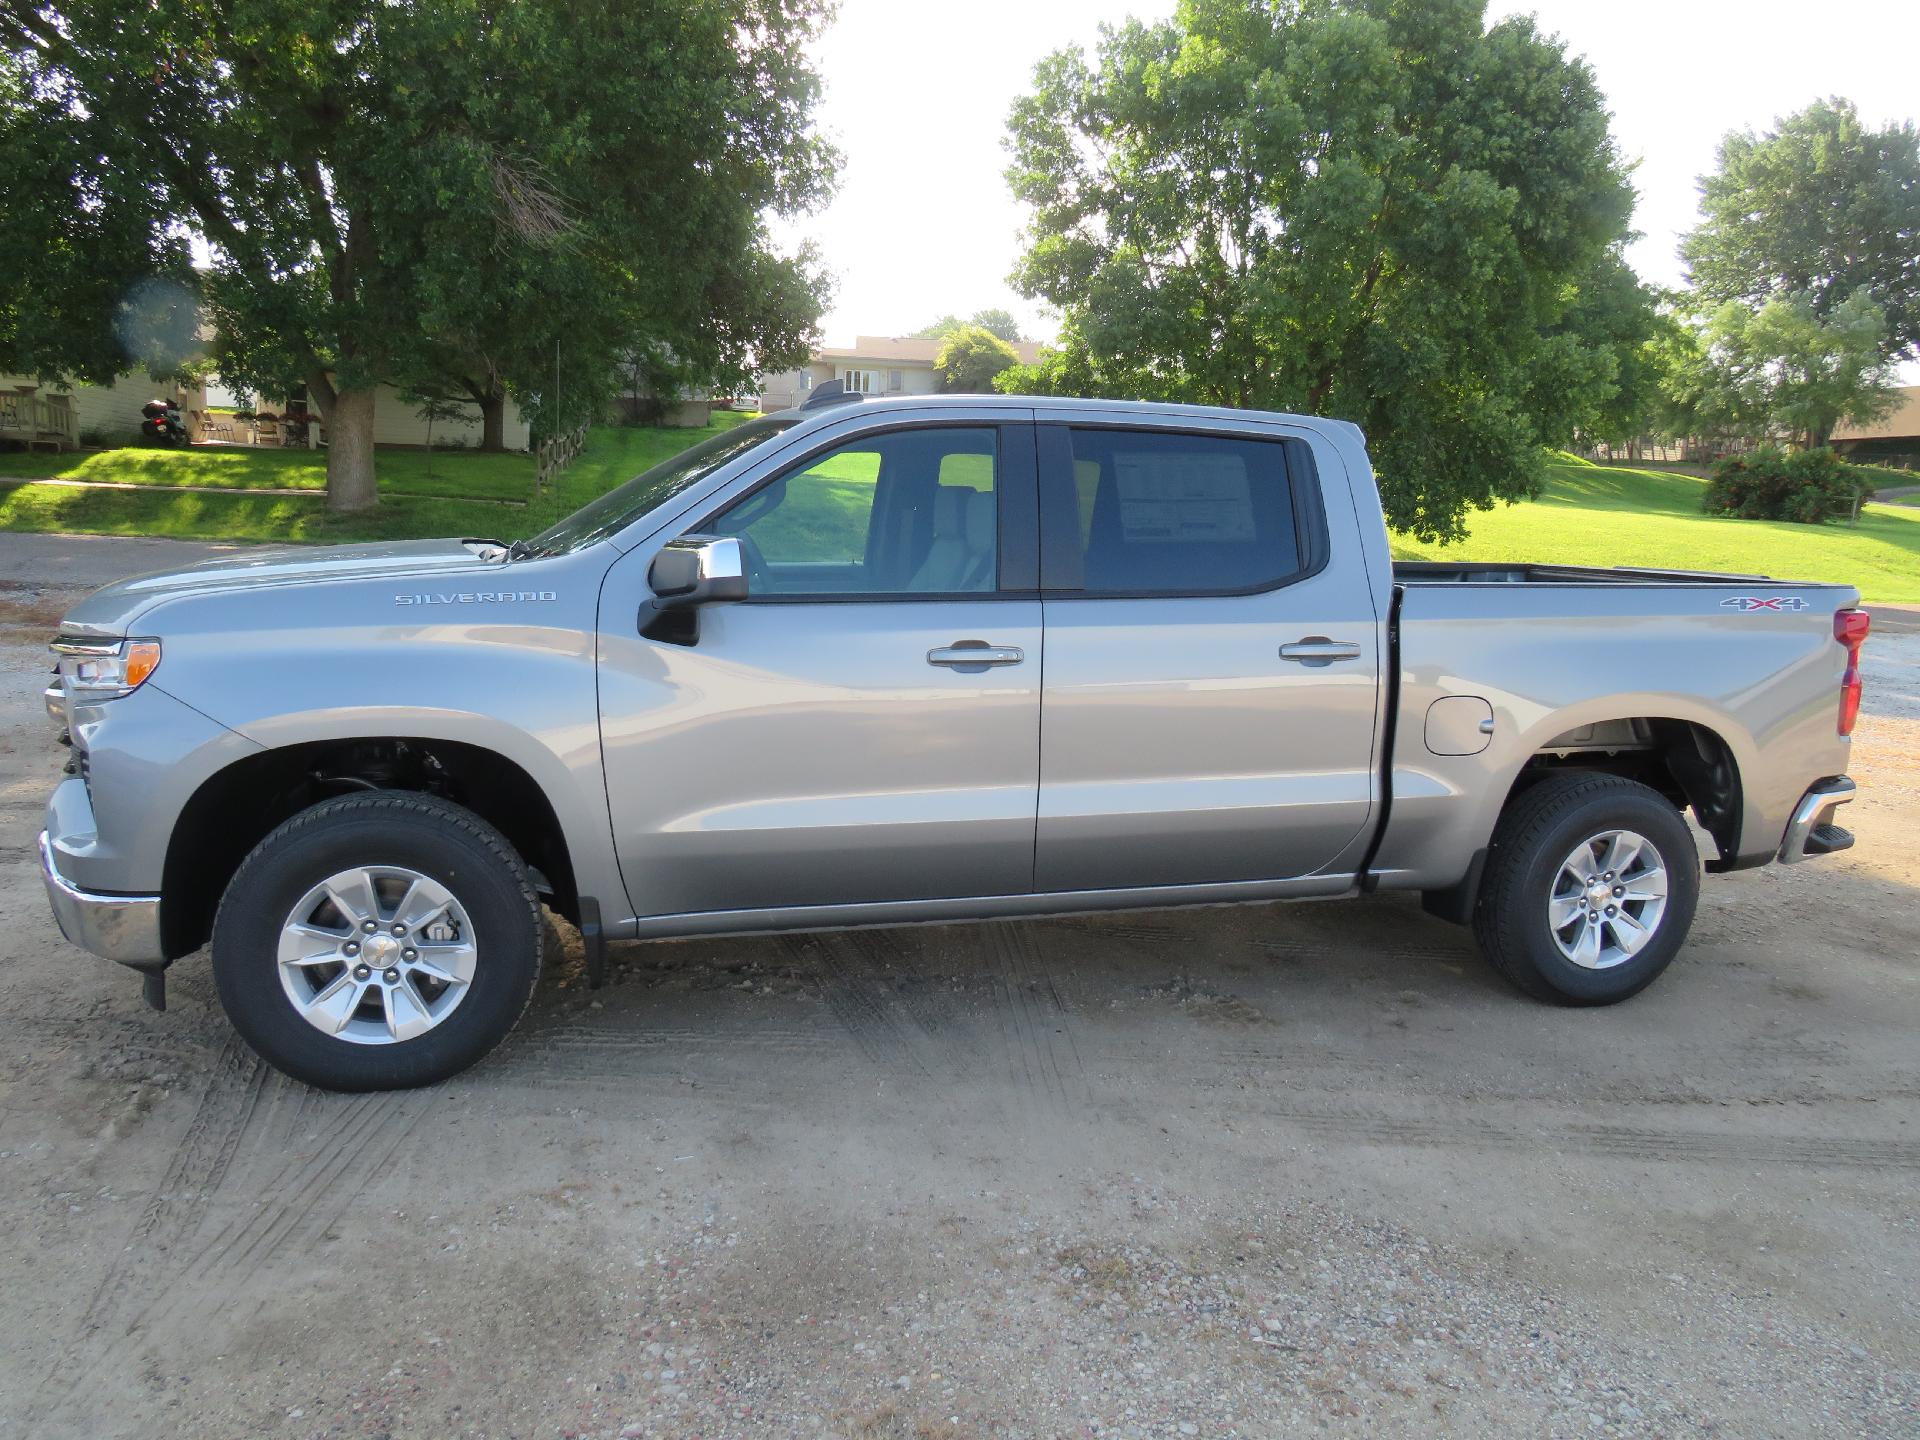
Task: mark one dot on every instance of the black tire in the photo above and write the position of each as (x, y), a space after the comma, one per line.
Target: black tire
(1538, 830)
(434, 837)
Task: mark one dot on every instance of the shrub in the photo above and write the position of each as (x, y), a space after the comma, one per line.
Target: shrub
(1807, 486)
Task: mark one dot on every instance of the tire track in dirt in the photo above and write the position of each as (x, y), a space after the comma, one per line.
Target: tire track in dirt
(177, 1207)
(608, 1055)
(1611, 1141)
(1043, 1055)
(289, 1210)
(879, 1025)
(952, 1045)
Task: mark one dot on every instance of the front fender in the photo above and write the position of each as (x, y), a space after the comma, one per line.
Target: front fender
(295, 665)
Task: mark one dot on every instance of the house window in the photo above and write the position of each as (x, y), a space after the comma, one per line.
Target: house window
(861, 382)
(893, 380)
(806, 379)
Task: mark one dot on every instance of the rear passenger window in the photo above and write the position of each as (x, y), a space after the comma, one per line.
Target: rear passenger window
(1161, 513)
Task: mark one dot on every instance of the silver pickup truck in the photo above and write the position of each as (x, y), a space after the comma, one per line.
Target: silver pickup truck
(931, 659)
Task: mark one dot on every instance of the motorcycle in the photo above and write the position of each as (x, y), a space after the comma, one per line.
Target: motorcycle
(161, 423)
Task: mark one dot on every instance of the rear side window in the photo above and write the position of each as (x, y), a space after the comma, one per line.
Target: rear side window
(1141, 512)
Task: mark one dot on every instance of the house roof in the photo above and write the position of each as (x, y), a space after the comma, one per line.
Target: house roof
(1899, 423)
(895, 349)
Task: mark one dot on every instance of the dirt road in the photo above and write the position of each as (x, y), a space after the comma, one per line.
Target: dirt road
(1232, 1172)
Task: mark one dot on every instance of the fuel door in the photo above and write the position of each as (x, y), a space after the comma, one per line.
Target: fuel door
(1459, 725)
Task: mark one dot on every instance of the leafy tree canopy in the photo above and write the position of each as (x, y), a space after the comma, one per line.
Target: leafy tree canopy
(1375, 209)
(994, 322)
(394, 192)
(1820, 207)
(971, 359)
(1787, 369)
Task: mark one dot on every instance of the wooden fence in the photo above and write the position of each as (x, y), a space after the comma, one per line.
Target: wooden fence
(555, 455)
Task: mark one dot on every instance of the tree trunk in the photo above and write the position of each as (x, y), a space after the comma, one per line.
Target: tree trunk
(493, 420)
(350, 478)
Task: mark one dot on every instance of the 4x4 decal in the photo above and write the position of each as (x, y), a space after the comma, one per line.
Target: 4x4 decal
(1745, 604)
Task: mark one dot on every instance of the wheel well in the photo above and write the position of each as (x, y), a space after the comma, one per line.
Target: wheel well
(1684, 761)
(237, 808)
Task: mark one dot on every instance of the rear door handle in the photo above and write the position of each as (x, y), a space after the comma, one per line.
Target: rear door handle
(1319, 650)
(975, 655)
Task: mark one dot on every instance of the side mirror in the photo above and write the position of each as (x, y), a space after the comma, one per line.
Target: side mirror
(698, 570)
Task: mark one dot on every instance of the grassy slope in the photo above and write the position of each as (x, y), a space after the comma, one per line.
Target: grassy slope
(1605, 515)
(402, 472)
(1590, 514)
(412, 502)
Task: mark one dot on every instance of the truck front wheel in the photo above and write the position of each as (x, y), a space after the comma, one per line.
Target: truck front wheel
(377, 941)
(1590, 887)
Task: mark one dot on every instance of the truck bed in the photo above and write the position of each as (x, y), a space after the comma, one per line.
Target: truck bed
(1434, 572)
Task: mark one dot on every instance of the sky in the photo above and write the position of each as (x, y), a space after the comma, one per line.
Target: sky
(917, 95)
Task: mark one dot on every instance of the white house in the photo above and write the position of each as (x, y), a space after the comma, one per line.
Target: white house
(59, 415)
(32, 413)
(395, 421)
(872, 365)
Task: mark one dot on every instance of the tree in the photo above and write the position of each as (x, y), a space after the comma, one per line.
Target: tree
(1819, 207)
(434, 408)
(1786, 369)
(1370, 209)
(994, 322)
(383, 187)
(971, 359)
(88, 288)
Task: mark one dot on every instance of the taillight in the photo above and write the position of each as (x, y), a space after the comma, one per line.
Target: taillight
(1850, 629)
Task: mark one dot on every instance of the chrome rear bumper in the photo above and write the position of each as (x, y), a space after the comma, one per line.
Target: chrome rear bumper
(1811, 831)
(119, 927)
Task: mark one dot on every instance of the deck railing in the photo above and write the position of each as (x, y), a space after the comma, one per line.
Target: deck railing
(38, 420)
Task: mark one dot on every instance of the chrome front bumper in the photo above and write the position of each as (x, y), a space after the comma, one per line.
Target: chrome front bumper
(1811, 831)
(119, 927)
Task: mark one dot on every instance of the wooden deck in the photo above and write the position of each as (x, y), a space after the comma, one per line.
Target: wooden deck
(34, 420)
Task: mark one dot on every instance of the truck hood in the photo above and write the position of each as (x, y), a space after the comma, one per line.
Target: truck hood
(109, 612)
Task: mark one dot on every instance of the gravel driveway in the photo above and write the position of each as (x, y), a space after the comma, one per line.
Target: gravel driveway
(1228, 1172)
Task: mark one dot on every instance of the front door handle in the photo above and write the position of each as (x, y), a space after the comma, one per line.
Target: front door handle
(975, 655)
(1319, 650)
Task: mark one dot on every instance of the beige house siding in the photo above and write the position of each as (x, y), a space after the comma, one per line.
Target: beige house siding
(395, 423)
(114, 409)
(891, 365)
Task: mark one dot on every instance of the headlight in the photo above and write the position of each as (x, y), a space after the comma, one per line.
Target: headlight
(105, 669)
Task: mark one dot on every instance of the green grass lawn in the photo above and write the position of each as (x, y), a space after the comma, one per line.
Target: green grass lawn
(1589, 515)
(1611, 515)
(456, 473)
(449, 500)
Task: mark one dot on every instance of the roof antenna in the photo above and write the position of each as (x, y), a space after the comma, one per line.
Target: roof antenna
(830, 392)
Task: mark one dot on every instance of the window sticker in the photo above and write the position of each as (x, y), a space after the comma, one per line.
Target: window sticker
(1183, 498)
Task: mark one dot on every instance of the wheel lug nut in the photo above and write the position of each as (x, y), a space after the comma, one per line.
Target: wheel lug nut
(399, 929)
(361, 972)
(392, 977)
(1619, 890)
(409, 954)
(1609, 909)
(369, 927)
(352, 947)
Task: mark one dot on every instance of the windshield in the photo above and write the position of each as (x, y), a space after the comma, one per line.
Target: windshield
(623, 505)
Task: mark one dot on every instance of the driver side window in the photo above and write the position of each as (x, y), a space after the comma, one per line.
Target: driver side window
(905, 512)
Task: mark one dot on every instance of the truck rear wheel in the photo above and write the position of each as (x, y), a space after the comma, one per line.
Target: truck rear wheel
(1589, 890)
(377, 941)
